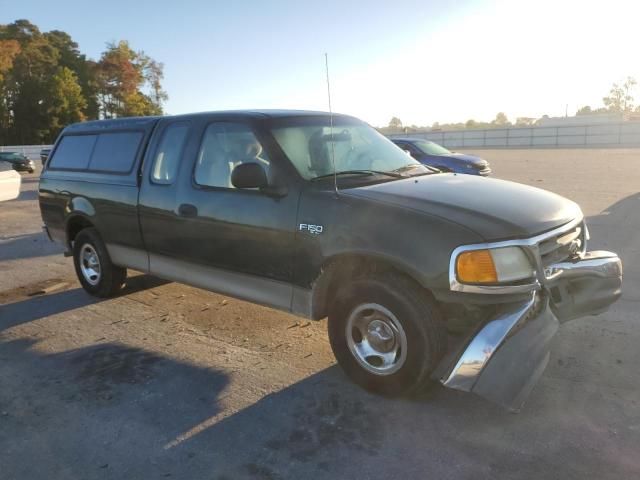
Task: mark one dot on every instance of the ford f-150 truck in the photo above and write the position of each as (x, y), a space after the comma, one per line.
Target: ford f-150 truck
(424, 276)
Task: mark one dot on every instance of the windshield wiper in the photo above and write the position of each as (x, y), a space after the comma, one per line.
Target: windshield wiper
(411, 166)
(393, 174)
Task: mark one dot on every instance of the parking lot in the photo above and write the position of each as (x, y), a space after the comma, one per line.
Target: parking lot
(168, 381)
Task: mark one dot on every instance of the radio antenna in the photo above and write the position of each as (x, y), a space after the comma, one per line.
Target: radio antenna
(333, 148)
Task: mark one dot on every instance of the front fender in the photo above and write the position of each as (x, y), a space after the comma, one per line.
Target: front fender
(346, 265)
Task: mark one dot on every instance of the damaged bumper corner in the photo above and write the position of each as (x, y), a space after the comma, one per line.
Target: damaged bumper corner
(504, 359)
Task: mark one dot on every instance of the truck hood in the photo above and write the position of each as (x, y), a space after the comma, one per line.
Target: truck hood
(494, 209)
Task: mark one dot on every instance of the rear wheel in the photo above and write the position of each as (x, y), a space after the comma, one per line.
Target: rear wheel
(94, 269)
(387, 334)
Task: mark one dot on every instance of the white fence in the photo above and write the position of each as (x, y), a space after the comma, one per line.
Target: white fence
(30, 151)
(622, 134)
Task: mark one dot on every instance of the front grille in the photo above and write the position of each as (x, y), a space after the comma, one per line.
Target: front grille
(563, 246)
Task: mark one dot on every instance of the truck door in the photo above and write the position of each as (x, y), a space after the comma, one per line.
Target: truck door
(229, 240)
(157, 207)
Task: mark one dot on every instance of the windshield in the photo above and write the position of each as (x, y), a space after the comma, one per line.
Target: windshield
(431, 148)
(356, 146)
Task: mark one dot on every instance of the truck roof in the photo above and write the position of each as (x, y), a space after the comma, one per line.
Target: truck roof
(142, 122)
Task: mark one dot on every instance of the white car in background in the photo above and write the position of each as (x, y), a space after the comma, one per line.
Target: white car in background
(9, 182)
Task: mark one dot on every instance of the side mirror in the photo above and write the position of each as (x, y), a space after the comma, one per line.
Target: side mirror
(249, 175)
(408, 152)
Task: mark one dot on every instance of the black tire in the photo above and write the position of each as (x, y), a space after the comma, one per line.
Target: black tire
(419, 316)
(110, 278)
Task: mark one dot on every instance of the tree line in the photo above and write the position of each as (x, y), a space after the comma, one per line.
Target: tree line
(46, 83)
(620, 100)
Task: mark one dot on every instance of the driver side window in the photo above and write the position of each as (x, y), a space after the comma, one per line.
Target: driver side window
(407, 147)
(225, 146)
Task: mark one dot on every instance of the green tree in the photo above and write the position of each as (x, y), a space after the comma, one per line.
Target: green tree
(586, 110)
(524, 121)
(395, 123)
(67, 100)
(501, 120)
(153, 73)
(83, 69)
(620, 98)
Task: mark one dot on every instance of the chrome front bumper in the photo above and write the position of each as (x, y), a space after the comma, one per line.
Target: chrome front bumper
(504, 359)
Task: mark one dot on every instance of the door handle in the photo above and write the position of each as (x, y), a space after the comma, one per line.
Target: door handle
(187, 210)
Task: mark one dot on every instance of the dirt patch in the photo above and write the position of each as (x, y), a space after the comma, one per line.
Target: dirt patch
(34, 289)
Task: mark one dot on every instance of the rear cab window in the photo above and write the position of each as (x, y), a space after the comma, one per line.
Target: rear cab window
(73, 152)
(115, 152)
(109, 152)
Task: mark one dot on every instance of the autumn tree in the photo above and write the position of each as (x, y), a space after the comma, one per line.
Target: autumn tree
(9, 49)
(122, 76)
(47, 83)
(26, 88)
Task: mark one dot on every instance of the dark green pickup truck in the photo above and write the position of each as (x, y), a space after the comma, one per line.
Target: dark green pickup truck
(425, 276)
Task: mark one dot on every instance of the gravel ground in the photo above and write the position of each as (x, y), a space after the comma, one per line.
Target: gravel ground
(168, 381)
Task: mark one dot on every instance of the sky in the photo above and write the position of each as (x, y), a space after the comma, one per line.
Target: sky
(422, 61)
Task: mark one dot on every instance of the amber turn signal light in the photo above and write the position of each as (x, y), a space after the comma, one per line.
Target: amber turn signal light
(476, 266)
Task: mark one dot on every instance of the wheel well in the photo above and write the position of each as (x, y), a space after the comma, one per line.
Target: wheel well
(339, 271)
(74, 226)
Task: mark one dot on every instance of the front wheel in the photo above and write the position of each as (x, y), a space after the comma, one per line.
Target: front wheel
(387, 334)
(94, 269)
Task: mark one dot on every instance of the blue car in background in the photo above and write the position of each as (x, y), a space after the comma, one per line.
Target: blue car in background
(434, 155)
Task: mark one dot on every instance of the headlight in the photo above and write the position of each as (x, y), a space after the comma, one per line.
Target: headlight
(497, 265)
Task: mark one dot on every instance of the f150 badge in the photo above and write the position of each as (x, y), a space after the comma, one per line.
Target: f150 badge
(312, 229)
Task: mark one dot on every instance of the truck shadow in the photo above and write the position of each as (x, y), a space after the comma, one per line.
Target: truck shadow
(29, 195)
(617, 226)
(616, 229)
(94, 411)
(325, 427)
(30, 245)
(37, 307)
